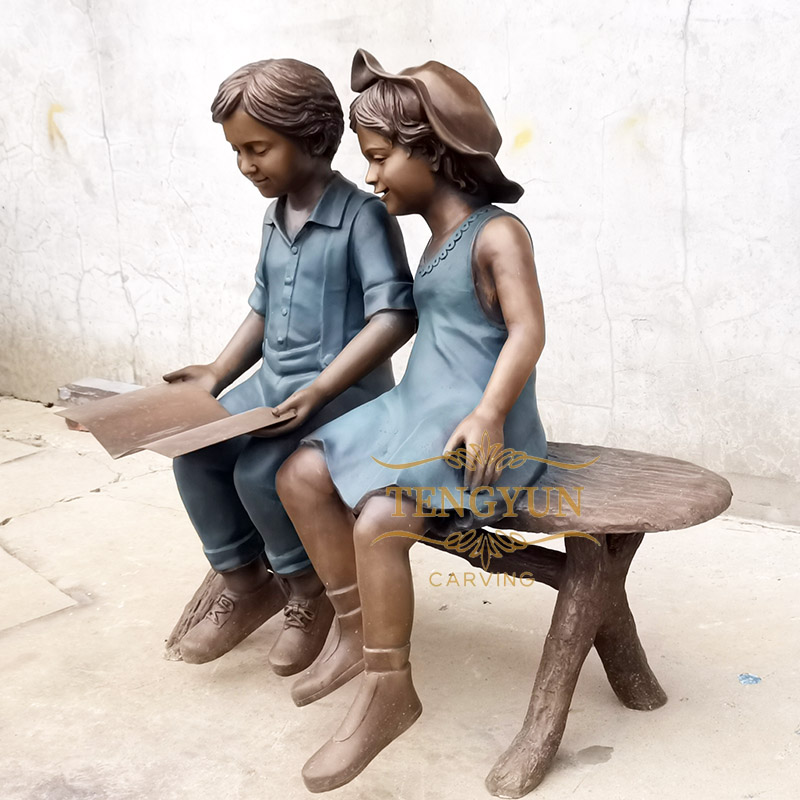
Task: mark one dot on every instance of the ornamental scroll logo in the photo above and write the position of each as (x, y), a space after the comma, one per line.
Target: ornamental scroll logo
(480, 543)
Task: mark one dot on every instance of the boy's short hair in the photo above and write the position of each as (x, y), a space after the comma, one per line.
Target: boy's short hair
(395, 112)
(289, 96)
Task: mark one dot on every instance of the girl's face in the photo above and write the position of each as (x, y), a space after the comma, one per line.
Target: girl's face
(405, 182)
(275, 164)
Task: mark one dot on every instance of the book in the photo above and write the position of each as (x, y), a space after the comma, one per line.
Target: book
(171, 419)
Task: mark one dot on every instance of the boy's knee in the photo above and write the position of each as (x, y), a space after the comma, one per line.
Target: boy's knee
(208, 463)
(185, 468)
(249, 481)
(255, 471)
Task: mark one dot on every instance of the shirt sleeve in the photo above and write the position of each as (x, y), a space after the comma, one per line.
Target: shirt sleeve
(379, 259)
(258, 297)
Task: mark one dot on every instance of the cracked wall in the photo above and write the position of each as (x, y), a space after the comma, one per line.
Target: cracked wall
(658, 145)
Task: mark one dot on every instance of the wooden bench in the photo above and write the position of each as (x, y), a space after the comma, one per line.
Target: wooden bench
(624, 495)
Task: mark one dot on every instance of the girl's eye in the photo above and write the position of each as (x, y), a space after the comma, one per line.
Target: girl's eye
(260, 152)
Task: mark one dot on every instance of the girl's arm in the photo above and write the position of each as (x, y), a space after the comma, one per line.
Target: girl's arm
(384, 333)
(503, 251)
(241, 352)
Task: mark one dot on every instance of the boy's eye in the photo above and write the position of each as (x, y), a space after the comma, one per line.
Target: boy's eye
(260, 152)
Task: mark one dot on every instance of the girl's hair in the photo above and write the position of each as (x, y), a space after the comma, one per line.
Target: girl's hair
(394, 111)
(289, 96)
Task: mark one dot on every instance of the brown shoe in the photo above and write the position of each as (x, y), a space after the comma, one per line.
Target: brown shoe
(342, 658)
(305, 628)
(233, 616)
(386, 705)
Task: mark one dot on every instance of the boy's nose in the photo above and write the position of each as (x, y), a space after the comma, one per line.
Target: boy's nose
(245, 164)
(372, 175)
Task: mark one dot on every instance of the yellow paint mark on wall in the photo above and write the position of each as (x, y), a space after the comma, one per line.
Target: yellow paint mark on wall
(523, 139)
(633, 131)
(631, 122)
(53, 131)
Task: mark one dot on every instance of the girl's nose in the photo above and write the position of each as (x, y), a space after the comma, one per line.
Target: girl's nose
(372, 175)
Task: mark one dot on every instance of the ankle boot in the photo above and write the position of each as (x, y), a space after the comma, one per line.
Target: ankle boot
(233, 616)
(307, 621)
(385, 706)
(342, 657)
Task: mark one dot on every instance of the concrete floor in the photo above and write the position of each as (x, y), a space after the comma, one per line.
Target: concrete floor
(98, 560)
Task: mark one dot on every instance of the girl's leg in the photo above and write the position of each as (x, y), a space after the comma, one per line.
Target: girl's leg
(387, 703)
(323, 522)
(325, 526)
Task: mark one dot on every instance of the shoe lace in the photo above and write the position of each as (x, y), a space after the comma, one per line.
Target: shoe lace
(221, 609)
(298, 615)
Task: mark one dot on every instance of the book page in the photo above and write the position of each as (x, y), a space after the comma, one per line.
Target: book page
(220, 431)
(171, 419)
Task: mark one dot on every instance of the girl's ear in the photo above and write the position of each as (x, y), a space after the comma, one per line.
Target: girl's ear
(432, 152)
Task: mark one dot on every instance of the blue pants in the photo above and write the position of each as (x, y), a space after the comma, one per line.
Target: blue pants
(229, 488)
(229, 492)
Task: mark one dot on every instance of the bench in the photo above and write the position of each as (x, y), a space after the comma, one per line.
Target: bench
(624, 495)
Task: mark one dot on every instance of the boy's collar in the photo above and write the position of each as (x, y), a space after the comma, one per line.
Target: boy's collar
(330, 206)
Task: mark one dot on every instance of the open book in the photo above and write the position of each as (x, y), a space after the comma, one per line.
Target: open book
(171, 419)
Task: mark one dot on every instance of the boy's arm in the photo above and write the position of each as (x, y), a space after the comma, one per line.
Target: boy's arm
(385, 333)
(241, 352)
(378, 259)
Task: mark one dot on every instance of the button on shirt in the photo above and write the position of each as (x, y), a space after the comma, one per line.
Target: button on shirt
(317, 290)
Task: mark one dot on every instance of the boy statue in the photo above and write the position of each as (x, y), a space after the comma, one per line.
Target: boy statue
(332, 301)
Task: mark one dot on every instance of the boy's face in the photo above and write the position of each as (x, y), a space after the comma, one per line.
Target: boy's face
(404, 182)
(275, 164)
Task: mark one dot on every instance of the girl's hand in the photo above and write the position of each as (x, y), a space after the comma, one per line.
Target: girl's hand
(304, 403)
(481, 434)
(203, 375)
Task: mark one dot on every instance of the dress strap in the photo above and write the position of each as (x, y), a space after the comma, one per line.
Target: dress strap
(479, 216)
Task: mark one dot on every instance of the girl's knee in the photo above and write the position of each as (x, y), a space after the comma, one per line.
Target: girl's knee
(378, 519)
(303, 473)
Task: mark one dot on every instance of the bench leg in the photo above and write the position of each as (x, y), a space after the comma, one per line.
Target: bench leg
(579, 610)
(617, 642)
(592, 608)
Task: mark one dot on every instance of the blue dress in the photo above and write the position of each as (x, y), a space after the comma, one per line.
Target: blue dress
(453, 356)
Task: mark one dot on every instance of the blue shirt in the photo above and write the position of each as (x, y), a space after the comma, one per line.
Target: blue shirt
(318, 289)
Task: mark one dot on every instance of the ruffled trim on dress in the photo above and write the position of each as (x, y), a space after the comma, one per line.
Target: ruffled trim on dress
(424, 269)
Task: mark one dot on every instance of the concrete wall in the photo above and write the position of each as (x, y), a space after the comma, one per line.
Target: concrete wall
(658, 144)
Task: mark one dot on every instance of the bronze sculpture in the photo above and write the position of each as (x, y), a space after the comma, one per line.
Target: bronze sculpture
(332, 302)
(431, 143)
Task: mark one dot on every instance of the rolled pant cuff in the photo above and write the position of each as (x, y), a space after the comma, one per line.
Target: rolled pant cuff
(245, 551)
(289, 563)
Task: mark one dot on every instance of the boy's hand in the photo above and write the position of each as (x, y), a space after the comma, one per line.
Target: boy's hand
(481, 435)
(303, 402)
(203, 375)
